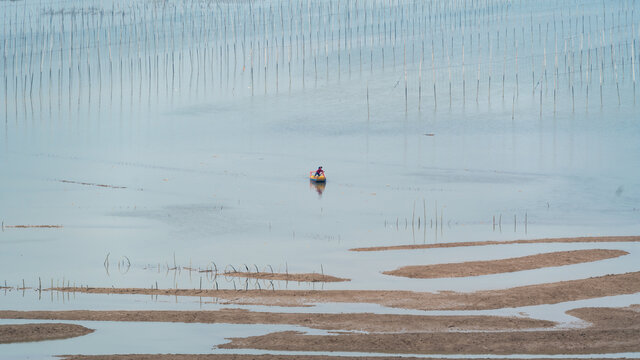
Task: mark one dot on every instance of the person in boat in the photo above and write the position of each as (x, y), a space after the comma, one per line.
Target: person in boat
(319, 171)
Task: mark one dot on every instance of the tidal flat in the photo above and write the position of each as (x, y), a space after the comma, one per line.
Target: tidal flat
(155, 157)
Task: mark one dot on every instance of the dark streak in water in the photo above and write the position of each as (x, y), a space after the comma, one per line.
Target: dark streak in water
(92, 184)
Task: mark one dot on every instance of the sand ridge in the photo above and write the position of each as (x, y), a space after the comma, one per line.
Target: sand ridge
(477, 268)
(345, 321)
(502, 343)
(613, 331)
(307, 277)
(595, 239)
(540, 294)
(40, 332)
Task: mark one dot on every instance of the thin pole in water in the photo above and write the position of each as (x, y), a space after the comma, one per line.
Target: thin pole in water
(368, 109)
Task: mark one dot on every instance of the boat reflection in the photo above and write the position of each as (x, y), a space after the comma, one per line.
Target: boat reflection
(318, 187)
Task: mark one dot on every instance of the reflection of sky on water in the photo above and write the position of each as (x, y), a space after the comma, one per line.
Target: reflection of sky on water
(196, 338)
(139, 338)
(220, 176)
(214, 175)
(201, 338)
(233, 194)
(55, 301)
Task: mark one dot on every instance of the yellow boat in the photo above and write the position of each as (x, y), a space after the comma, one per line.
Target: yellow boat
(317, 178)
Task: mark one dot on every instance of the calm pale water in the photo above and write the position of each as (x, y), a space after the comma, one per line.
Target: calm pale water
(204, 137)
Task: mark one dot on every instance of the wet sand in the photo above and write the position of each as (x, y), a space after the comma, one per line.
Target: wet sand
(359, 322)
(310, 277)
(604, 239)
(476, 268)
(613, 331)
(502, 343)
(40, 332)
(628, 317)
(548, 293)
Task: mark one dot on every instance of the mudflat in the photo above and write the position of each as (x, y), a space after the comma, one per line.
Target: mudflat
(40, 332)
(612, 331)
(308, 277)
(540, 294)
(595, 239)
(476, 268)
(347, 321)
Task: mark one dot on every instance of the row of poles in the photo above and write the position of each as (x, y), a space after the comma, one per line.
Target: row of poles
(56, 54)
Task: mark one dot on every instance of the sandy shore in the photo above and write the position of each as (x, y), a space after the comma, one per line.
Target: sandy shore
(476, 268)
(548, 293)
(310, 277)
(360, 322)
(40, 332)
(604, 239)
(613, 331)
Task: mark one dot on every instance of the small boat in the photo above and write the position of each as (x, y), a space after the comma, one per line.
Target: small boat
(317, 178)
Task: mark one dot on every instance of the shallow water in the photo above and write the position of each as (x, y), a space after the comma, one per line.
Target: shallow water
(163, 338)
(76, 301)
(139, 338)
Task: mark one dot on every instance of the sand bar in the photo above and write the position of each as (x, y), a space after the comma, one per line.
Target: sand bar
(604, 239)
(476, 268)
(548, 293)
(502, 343)
(40, 332)
(613, 331)
(309, 277)
(356, 321)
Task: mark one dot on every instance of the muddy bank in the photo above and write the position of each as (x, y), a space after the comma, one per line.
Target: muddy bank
(605, 239)
(613, 331)
(360, 322)
(502, 343)
(628, 317)
(310, 277)
(476, 268)
(40, 332)
(549, 293)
